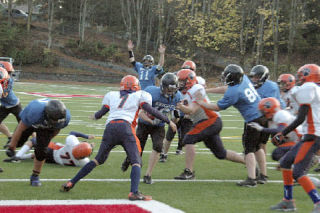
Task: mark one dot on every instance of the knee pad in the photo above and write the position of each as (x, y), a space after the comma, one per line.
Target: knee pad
(276, 155)
(297, 173)
(157, 147)
(221, 155)
(284, 164)
(40, 153)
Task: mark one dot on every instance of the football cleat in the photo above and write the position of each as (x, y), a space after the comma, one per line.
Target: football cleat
(66, 187)
(125, 164)
(179, 152)
(35, 181)
(316, 208)
(7, 144)
(163, 158)
(139, 196)
(262, 179)
(249, 182)
(147, 179)
(285, 206)
(13, 159)
(186, 175)
(10, 152)
(1, 170)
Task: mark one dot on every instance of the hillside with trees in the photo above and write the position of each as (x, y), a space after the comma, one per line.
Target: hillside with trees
(282, 35)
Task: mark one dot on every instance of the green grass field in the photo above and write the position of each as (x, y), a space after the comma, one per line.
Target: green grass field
(214, 189)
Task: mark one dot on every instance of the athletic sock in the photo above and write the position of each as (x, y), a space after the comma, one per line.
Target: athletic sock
(309, 187)
(287, 184)
(83, 172)
(25, 148)
(135, 178)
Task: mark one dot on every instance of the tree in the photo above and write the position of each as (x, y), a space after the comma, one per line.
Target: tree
(82, 20)
(50, 21)
(29, 15)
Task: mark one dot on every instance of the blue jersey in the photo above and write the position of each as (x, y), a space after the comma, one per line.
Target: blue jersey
(9, 99)
(271, 89)
(161, 103)
(33, 114)
(147, 75)
(243, 97)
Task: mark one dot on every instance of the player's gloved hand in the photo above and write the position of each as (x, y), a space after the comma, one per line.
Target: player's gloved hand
(278, 139)
(256, 126)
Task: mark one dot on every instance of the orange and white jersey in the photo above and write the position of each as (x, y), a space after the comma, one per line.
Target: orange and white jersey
(309, 94)
(63, 156)
(127, 106)
(202, 113)
(285, 118)
(291, 103)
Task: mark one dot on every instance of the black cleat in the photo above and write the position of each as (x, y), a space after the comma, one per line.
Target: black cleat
(10, 152)
(147, 179)
(13, 159)
(249, 182)
(163, 158)
(262, 179)
(1, 170)
(186, 175)
(7, 144)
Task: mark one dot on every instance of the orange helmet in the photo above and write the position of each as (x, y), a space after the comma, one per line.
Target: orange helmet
(82, 150)
(308, 73)
(269, 106)
(189, 65)
(3, 75)
(129, 82)
(186, 79)
(7, 65)
(286, 82)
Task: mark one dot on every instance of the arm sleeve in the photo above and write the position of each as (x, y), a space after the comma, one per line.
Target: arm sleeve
(79, 134)
(104, 109)
(149, 109)
(273, 130)
(302, 113)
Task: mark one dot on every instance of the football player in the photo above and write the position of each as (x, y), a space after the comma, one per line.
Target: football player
(46, 117)
(287, 87)
(72, 153)
(124, 106)
(259, 76)
(278, 119)
(240, 93)
(295, 163)
(146, 70)
(9, 101)
(206, 127)
(164, 99)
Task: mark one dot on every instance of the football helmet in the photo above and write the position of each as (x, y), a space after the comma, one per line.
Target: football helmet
(258, 75)
(269, 106)
(189, 65)
(286, 82)
(3, 75)
(186, 79)
(129, 82)
(147, 61)
(232, 75)
(7, 65)
(169, 85)
(55, 114)
(308, 73)
(82, 150)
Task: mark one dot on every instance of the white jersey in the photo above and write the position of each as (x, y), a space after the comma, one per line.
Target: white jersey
(63, 156)
(285, 118)
(127, 106)
(202, 113)
(291, 102)
(309, 93)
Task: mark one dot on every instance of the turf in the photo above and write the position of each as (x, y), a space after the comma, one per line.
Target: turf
(189, 196)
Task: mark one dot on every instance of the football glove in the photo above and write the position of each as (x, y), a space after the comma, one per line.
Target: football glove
(255, 126)
(278, 139)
